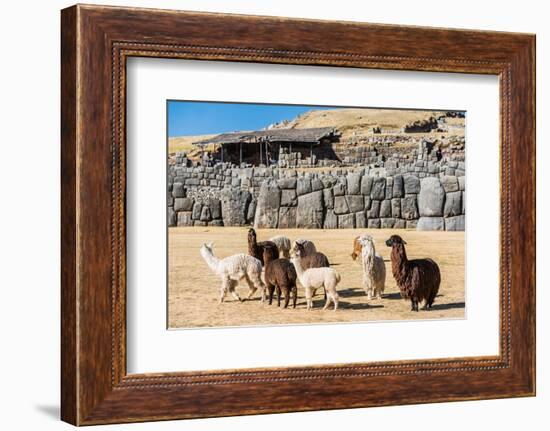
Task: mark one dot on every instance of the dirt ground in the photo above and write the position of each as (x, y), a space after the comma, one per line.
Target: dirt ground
(193, 289)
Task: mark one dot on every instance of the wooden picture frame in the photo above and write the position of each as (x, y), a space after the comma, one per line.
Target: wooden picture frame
(95, 43)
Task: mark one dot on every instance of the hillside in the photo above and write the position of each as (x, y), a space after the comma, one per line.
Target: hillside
(357, 121)
(353, 123)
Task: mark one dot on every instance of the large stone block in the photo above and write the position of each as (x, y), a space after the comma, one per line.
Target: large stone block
(185, 218)
(398, 188)
(287, 217)
(450, 184)
(235, 203)
(387, 223)
(340, 205)
(197, 209)
(172, 219)
(389, 187)
(378, 188)
(431, 197)
(399, 224)
(366, 185)
(385, 208)
(374, 223)
(409, 208)
(316, 184)
(457, 223)
(178, 190)
(360, 220)
(267, 205)
(183, 204)
(303, 186)
(430, 223)
(251, 212)
(346, 221)
(354, 183)
(215, 208)
(396, 208)
(328, 198)
(411, 184)
(310, 211)
(289, 198)
(339, 189)
(374, 211)
(331, 220)
(205, 214)
(453, 204)
(287, 183)
(355, 203)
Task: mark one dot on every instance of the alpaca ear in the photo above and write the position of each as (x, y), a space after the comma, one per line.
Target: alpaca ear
(210, 244)
(404, 242)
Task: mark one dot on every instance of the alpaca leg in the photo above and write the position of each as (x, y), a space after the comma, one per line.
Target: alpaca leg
(334, 297)
(294, 296)
(251, 287)
(223, 289)
(309, 301)
(278, 296)
(287, 295)
(270, 288)
(329, 298)
(232, 286)
(414, 304)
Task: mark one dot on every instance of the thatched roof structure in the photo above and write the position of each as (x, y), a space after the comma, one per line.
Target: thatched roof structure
(306, 136)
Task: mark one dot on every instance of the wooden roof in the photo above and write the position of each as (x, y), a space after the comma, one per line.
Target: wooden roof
(313, 135)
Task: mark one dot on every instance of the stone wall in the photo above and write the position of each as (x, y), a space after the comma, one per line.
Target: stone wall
(425, 195)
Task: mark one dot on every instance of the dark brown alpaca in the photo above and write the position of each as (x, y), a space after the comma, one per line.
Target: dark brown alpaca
(418, 279)
(256, 249)
(311, 260)
(280, 274)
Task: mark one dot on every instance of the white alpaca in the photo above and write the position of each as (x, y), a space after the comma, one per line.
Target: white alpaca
(232, 269)
(374, 268)
(283, 244)
(314, 278)
(309, 247)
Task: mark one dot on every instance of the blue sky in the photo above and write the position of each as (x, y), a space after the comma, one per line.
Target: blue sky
(203, 118)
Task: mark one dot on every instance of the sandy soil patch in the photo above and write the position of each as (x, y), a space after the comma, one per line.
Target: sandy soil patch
(193, 288)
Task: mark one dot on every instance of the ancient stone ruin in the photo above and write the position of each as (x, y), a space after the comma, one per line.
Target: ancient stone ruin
(426, 195)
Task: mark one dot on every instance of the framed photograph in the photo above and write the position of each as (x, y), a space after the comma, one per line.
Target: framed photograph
(265, 215)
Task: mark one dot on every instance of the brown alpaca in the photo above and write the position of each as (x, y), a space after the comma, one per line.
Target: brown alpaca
(311, 260)
(256, 249)
(418, 279)
(357, 248)
(280, 274)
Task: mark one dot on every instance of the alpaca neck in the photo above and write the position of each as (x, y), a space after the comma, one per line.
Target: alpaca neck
(299, 269)
(399, 262)
(251, 244)
(211, 260)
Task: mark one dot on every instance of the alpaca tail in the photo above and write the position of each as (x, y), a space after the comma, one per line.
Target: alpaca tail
(337, 275)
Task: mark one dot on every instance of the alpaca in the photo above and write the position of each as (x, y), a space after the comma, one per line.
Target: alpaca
(232, 269)
(313, 259)
(280, 274)
(314, 278)
(307, 246)
(418, 279)
(356, 248)
(256, 249)
(283, 245)
(374, 268)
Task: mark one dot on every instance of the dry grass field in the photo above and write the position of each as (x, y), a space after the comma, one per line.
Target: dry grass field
(193, 290)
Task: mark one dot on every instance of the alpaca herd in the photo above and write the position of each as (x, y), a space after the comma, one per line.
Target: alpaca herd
(269, 268)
